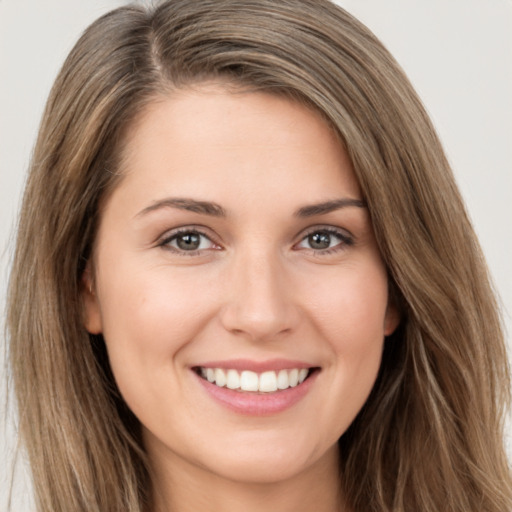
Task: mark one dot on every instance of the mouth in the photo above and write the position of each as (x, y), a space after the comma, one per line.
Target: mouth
(247, 381)
(257, 388)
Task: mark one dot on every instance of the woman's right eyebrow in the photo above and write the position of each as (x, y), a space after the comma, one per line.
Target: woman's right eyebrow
(182, 203)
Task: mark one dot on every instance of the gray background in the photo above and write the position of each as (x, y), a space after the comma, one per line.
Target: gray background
(458, 54)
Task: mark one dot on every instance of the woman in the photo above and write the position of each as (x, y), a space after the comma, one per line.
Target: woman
(244, 277)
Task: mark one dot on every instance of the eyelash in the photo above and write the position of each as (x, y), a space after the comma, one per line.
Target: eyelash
(166, 241)
(345, 240)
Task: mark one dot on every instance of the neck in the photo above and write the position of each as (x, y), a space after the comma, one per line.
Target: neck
(183, 487)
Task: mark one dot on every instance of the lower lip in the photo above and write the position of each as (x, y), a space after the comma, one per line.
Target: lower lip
(258, 404)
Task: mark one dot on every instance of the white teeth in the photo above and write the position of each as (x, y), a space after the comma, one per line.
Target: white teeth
(266, 382)
(220, 377)
(249, 381)
(294, 377)
(233, 380)
(283, 381)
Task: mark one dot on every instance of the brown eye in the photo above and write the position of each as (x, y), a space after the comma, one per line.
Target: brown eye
(325, 240)
(320, 240)
(188, 241)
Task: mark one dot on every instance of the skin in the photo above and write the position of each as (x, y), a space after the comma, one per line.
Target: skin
(256, 289)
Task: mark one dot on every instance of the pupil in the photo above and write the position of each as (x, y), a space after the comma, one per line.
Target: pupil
(320, 240)
(188, 241)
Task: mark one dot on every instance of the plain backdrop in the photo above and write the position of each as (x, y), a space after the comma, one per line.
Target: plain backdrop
(457, 53)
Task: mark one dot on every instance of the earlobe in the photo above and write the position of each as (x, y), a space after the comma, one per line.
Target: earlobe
(92, 312)
(391, 320)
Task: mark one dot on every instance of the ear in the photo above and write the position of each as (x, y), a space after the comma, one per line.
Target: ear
(92, 312)
(391, 319)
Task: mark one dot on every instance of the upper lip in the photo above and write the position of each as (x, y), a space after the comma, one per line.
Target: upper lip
(256, 366)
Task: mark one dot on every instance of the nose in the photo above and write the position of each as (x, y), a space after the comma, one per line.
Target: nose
(260, 302)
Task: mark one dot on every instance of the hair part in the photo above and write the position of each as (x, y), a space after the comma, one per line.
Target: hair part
(430, 437)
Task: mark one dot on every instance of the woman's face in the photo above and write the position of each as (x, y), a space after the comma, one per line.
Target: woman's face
(238, 285)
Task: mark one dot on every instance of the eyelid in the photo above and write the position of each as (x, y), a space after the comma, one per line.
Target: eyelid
(336, 230)
(345, 235)
(164, 240)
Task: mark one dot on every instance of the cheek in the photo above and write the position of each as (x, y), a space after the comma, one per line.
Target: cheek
(148, 318)
(153, 304)
(350, 307)
(350, 313)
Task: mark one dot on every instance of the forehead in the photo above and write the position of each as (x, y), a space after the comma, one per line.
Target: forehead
(211, 141)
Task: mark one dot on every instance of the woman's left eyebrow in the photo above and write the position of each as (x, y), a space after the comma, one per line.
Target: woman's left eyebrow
(328, 206)
(181, 203)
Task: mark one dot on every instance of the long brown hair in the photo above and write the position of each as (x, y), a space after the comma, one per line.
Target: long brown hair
(430, 437)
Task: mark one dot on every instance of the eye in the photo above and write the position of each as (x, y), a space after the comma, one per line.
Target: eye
(188, 240)
(325, 240)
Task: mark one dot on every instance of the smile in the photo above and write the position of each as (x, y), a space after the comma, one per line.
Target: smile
(249, 381)
(256, 388)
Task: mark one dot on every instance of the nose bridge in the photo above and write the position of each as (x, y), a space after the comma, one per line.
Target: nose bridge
(260, 302)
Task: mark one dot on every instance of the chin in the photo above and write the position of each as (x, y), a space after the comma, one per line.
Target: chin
(260, 470)
(272, 461)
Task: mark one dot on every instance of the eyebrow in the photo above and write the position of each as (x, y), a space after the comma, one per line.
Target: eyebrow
(328, 206)
(191, 205)
(215, 210)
